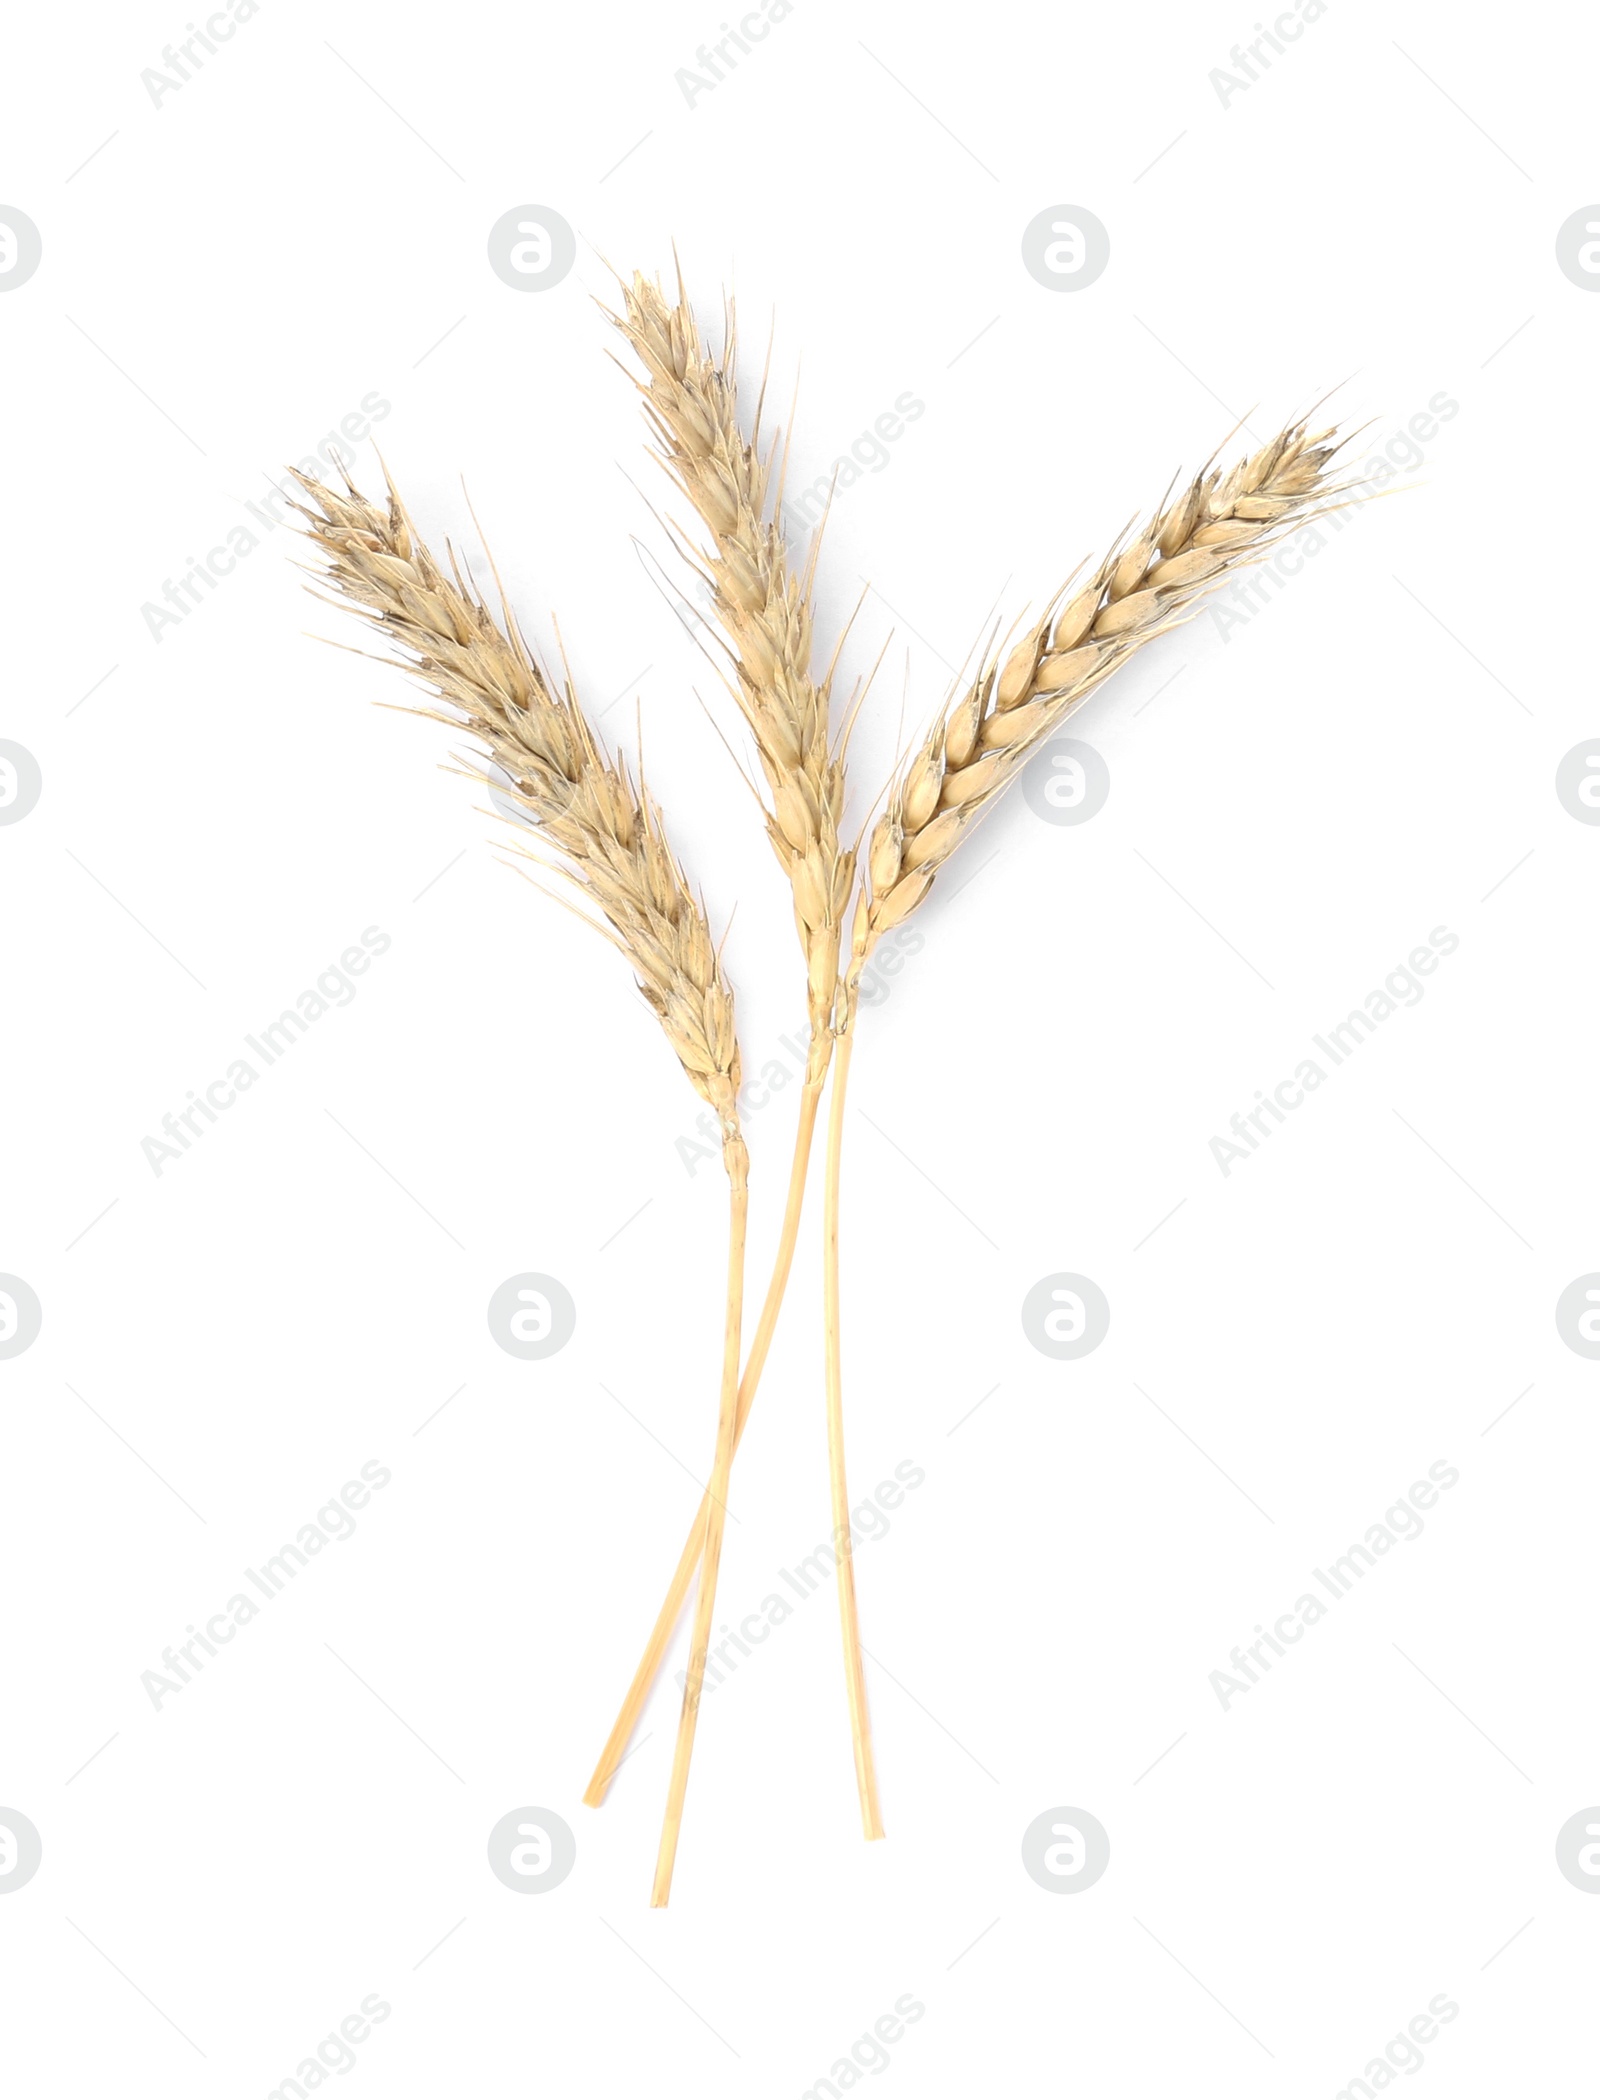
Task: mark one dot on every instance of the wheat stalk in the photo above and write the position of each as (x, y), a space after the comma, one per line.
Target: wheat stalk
(980, 742)
(764, 611)
(545, 758)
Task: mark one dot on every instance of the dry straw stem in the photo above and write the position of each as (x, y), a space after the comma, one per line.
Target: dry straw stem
(655, 1651)
(764, 610)
(608, 836)
(705, 1596)
(838, 1488)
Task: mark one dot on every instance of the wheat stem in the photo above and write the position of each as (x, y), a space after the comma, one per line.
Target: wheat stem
(764, 611)
(716, 1513)
(609, 840)
(667, 1619)
(980, 743)
(839, 1493)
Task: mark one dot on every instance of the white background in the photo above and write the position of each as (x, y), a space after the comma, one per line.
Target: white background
(1293, 807)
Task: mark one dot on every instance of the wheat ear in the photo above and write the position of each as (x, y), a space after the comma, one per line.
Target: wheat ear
(608, 836)
(1147, 584)
(764, 611)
